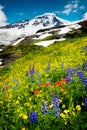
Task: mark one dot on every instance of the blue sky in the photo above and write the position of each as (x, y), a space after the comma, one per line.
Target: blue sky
(16, 10)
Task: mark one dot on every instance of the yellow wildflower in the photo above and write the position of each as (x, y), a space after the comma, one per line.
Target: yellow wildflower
(66, 111)
(60, 100)
(51, 105)
(26, 104)
(63, 115)
(38, 95)
(20, 115)
(17, 102)
(26, 86)
(63, 106)
(65, 123)
(46, 75)
(29, 99)
(1, 102)
(24, 116)
(23, 129)
(78, 107)
(83, 104)
(18, 97)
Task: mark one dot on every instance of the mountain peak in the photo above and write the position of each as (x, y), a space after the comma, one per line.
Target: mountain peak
(46, 14)
(49, 19)
(19, 30)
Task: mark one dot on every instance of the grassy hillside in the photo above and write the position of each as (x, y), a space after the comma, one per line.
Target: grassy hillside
(45, 87)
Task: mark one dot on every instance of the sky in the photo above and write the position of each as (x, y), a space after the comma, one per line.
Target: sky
(12, 11)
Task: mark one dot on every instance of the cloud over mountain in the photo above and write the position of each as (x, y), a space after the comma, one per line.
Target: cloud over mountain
(85, 15)
(3, 18)
(71, 7)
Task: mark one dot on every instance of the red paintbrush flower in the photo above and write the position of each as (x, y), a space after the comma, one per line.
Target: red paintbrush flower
(36, 91)
(63, 80)
(43, 84)
(47, 84)
(57, 83)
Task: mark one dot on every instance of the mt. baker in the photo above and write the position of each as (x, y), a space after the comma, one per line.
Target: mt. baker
(12, 33)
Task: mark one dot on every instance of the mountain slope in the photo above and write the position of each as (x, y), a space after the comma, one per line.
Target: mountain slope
(14, 32)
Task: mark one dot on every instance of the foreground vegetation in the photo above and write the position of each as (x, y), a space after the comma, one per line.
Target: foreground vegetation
(46, 89)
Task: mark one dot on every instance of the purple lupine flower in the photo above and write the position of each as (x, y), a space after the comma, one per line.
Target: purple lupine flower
(86, 83)
(86, 102)
(70, 73)
(33, 117)
(32, 72)
(45, 108)
(80, 73)
(82, 78)
(68, 80)
(84, 48)
(84, 66)
(56, 106)
(48, 67)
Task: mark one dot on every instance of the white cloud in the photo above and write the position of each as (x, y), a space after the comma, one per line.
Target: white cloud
(74, 11)
(3, 18)
(56, 12)
(75, 5)
(68, 6)
(85, 15)
(67, 11)
(82, 7)
(71, 7)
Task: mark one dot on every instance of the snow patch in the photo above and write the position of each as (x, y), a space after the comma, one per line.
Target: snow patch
(48, 42)
(0, 61)
(0, 49)
(69, 28)
(18, 41)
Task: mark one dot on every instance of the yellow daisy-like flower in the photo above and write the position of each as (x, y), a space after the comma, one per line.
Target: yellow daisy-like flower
(24, 116)
(17, 102)
(78, 107)
(63, 115)
(46, 75)
(1, 102)
(20, 115)
(26, 104)
(60, 100)
(63, 106)
(66, 111)
(18, 97)
(38, 95)
(83, 104)
(65, 123)
(23, 129)
(51, 105)
(26, 86)
(29, 99)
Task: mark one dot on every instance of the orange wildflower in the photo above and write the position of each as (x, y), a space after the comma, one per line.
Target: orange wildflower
(57, 83)
(36, 91)
(63, 80)
(43, 84)
(47, 84)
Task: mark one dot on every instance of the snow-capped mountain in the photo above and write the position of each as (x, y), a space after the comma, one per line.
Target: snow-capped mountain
(14, 33)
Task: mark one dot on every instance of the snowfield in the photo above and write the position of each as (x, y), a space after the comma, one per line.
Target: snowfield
(48, 42)
(15, 33)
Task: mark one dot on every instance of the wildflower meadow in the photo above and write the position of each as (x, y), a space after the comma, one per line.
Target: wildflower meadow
(46, 90)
